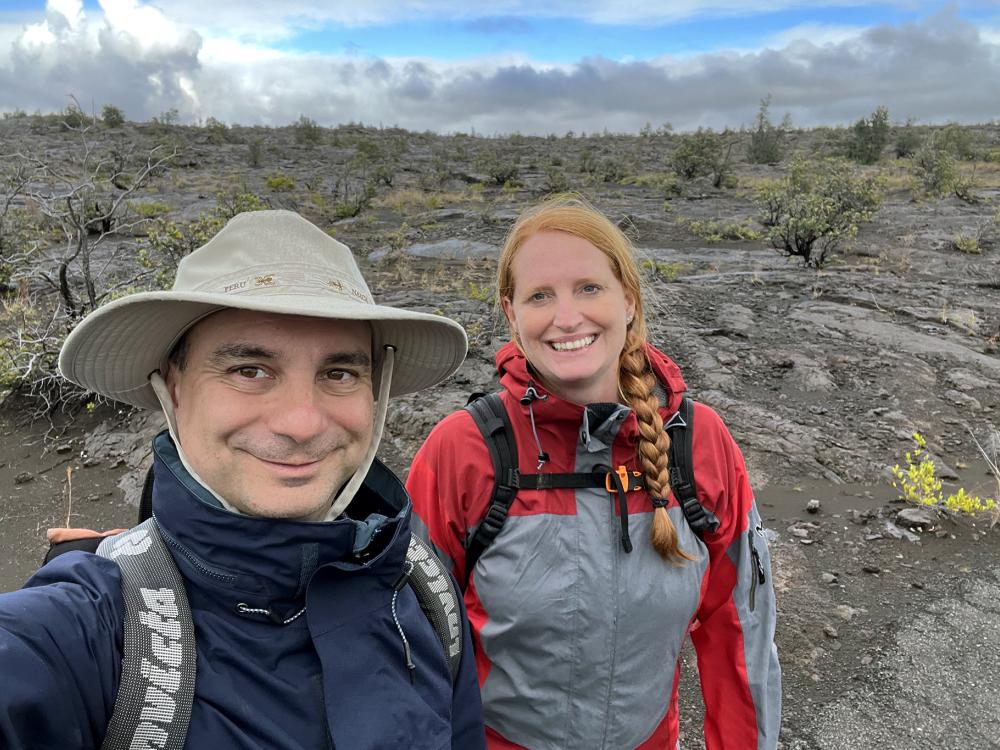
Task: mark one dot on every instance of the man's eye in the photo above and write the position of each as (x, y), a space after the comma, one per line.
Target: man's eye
(341, 376)
(251, 373)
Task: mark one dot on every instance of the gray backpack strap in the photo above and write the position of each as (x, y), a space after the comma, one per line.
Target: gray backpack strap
(156, 689)
(438, 598)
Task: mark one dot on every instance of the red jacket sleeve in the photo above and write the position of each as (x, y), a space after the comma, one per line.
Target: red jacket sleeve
(734, 633)
(450, 483)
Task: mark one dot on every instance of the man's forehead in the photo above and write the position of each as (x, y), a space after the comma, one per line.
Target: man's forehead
(250, 326)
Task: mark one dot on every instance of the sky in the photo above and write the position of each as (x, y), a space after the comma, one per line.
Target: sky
(506, 66)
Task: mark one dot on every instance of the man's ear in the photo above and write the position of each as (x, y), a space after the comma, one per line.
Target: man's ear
(172, 380)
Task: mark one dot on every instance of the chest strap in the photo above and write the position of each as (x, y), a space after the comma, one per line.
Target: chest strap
(491, 418)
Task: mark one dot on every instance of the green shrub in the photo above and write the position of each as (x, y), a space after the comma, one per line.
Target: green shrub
(936, 169)
(73, 117)
(766, 139)
(556, 180)
(280, 183)
(255, 150)
(665, 269)
(956, 140)
(966, 243)
(870, 135)
(816, 206)
(704, 153)
(908, 141)
(307, 131)
(717, 231)
(501, 166)
(112, 117)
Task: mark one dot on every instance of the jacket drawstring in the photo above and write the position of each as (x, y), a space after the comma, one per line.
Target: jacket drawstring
(530, 395)
(400, 582)
(622, 510)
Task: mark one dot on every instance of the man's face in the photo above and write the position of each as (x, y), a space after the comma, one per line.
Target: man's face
(274, 412)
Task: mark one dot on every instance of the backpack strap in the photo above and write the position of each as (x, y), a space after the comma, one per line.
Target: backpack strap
(680, 427)
(491, 418)
(438, 598)
(156, 687)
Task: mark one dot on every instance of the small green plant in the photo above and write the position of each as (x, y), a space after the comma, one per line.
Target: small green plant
(717, 231)
(479, 292)
(668, 270)
(280, 183)
(967, 244)
(150, 209)
(919, 484)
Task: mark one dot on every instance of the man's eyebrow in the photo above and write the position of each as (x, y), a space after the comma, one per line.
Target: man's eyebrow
(229, 352)
(357, 358)
(240, 352)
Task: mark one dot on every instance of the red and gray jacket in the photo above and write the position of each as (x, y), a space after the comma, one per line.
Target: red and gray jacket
(578, 641)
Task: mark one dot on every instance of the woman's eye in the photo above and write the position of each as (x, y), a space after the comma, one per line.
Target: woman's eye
(591, 288)
(537, 297)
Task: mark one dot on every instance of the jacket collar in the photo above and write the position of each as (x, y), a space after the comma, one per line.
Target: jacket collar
(516, 375)
(271, 559)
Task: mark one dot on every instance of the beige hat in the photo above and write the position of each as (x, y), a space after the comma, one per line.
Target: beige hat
(271, 261)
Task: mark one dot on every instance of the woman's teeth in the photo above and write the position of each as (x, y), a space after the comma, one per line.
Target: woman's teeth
(565, 346)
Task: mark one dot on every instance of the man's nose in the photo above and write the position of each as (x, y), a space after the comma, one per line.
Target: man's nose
(297, 412)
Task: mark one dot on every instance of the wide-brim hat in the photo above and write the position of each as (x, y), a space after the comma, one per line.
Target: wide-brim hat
(270, 261)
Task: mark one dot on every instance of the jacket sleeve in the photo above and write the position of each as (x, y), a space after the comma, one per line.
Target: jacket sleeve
(467, 730)
(733, 633)
(449, 482)
(60, 641)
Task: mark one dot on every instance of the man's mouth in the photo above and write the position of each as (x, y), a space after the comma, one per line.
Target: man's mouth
(568, 346)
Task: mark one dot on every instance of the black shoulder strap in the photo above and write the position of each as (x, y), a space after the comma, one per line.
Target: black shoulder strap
(156, 688)
(491, 418)
(146, 498)
(680, 427)
(438, 598)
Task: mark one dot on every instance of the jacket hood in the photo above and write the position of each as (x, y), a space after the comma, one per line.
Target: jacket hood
(516, 375)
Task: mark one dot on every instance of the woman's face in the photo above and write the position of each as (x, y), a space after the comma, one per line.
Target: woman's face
(570, 315)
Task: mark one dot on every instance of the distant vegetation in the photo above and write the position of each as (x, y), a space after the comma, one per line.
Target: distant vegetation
(94, 206)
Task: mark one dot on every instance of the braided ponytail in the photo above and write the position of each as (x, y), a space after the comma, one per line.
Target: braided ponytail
(637, 385)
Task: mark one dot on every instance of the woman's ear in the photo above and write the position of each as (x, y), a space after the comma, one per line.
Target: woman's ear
(629, 307)
(508, 311)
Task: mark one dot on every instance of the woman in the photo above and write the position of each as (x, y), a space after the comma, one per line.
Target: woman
(577, 629)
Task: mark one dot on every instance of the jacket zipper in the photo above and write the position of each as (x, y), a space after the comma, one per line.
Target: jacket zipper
(758, 576)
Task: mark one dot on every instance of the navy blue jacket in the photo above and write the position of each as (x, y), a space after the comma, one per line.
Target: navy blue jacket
(335, 677)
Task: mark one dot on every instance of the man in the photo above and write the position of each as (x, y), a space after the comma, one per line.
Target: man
(290, 538)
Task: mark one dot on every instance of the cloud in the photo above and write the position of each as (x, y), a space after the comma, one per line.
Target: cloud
(935, 70)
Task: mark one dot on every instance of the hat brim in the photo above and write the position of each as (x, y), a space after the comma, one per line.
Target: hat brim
(114, 350)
